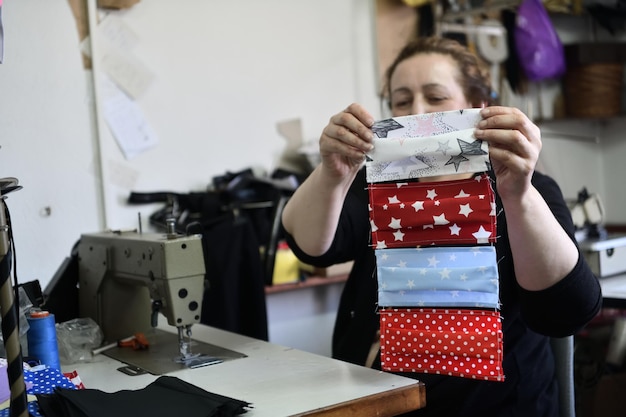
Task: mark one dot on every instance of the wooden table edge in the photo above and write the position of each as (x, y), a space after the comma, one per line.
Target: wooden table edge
(385, 404)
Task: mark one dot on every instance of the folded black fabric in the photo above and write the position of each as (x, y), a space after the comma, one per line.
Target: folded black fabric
(167, 396)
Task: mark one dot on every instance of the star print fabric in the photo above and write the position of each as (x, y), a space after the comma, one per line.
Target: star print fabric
(426, 145)
(454, 342)
(444, 213)
(438, 276)
(427, 124)
(438, 284)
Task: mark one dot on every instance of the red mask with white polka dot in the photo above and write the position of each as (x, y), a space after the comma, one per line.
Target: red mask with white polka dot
(457, 342)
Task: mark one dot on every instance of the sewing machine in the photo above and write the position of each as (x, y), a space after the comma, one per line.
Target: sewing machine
(127, 278)
(603, 251)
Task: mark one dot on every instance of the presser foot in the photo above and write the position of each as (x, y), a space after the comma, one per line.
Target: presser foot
(197, 360)
(187, 357)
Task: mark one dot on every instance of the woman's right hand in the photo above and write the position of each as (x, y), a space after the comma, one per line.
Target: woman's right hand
(345, 141)
(343, 145)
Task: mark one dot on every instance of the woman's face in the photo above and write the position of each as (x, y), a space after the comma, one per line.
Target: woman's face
(426, 83)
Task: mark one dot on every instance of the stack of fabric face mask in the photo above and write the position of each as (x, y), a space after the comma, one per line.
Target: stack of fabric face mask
(433, 240)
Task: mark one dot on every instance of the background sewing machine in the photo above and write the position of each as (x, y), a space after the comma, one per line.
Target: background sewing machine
(126, 278)
(605, 252)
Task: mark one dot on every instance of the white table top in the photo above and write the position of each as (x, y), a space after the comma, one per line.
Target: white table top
(277, 380)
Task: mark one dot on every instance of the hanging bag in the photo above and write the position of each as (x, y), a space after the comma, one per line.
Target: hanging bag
(538, 46)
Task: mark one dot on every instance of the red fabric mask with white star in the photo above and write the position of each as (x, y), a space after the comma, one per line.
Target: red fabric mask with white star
(409, 214)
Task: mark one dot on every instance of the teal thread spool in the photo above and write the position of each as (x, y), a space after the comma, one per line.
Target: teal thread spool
(42, 339)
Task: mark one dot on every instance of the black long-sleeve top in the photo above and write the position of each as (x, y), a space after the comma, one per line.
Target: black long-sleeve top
(529, 318)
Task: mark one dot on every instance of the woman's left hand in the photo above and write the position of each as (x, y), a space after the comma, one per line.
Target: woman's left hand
(514, 146)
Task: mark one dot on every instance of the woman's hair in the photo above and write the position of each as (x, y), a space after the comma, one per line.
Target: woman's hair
(475, 79)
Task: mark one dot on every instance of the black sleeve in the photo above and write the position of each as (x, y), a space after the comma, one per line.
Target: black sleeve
(353, 231)
(568, 305)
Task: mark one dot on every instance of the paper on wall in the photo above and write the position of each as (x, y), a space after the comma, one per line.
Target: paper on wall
(117, 33)
(116, 41)
(130, 74)
(126, 121)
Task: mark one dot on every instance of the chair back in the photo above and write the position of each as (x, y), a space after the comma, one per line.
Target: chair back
(563, 350)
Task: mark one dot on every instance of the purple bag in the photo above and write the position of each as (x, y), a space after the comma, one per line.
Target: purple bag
(539, 48)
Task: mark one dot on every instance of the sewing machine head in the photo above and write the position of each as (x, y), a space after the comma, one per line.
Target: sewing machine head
(126, 278)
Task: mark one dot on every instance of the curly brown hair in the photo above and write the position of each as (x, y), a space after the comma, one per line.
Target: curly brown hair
(475, 78)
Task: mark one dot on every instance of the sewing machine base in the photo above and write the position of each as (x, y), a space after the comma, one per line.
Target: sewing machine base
(606, 257)
(160, 357)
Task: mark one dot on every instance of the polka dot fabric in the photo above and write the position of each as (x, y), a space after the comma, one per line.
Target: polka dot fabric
(42, 381)
(46, 380)
(457, 342)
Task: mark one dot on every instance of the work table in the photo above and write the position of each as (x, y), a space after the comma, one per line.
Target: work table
(277, 380)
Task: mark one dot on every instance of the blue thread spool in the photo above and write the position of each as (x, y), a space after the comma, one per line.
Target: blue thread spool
(42, 339)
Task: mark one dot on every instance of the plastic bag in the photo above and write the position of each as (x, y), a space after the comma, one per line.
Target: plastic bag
(24, 306)
(539, 48)
(77, 338)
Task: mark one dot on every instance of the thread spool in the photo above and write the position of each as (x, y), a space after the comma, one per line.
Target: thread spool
(42, 339)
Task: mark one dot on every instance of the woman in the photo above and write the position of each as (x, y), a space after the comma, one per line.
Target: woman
(546, 288)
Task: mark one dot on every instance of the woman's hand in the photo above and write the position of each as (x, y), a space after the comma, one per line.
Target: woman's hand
(543, 253)
(345, 140)
(514, 146)
(343, 145)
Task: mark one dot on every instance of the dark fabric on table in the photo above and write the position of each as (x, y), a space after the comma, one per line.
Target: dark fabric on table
(167, 396)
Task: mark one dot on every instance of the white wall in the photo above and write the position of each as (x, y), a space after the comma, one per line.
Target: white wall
(46, 135)
(224, 74)
(614, 170)
(572, 155)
